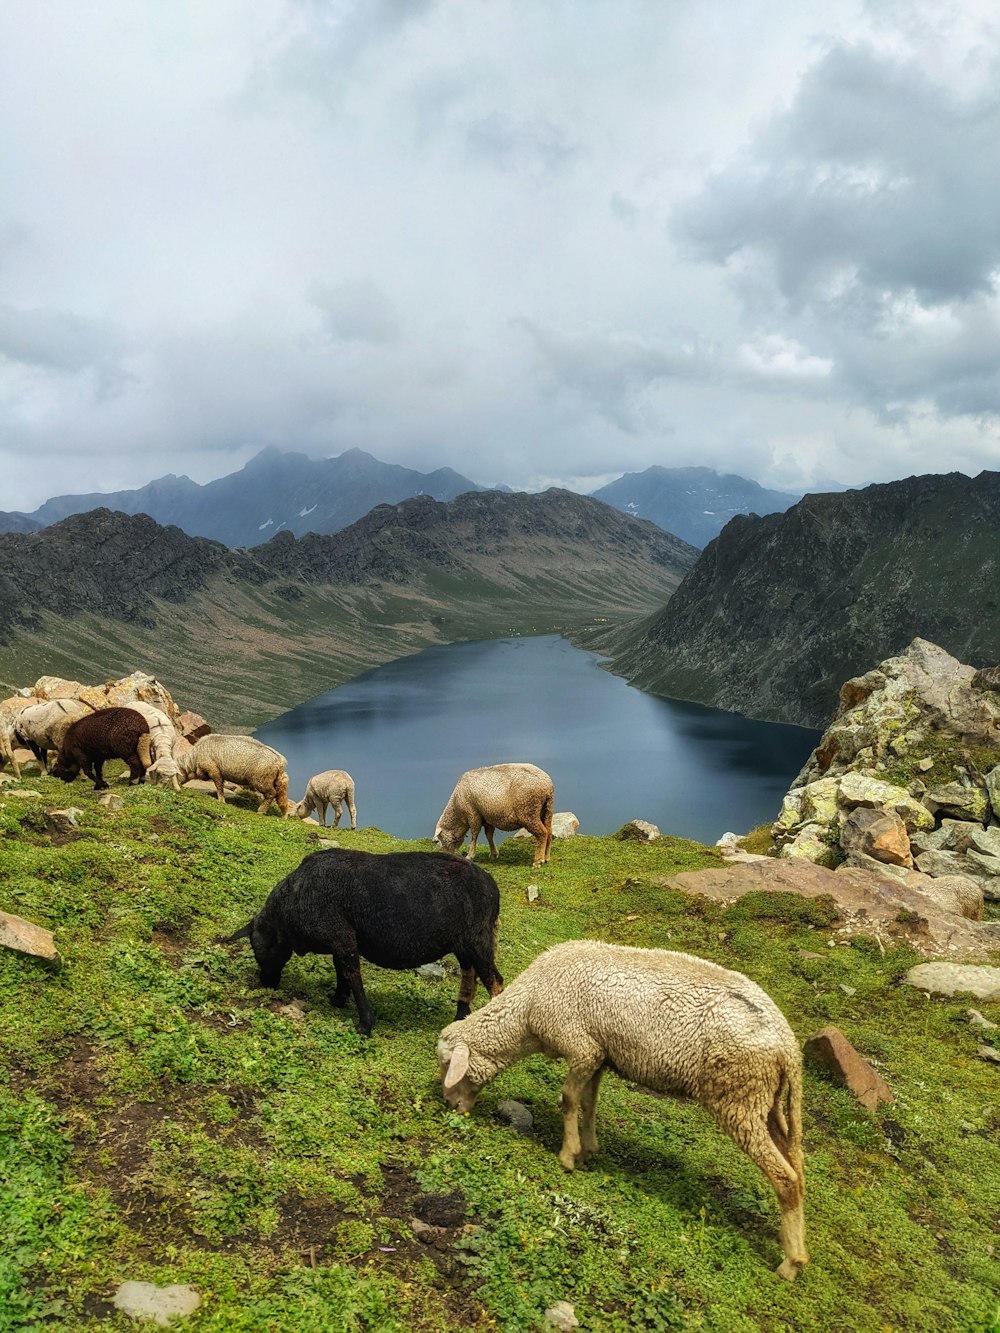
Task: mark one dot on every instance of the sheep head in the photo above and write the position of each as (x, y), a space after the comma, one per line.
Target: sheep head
(461, 1086)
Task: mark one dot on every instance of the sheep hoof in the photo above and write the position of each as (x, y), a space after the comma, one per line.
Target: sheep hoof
(788, 1269)
(567, 1160)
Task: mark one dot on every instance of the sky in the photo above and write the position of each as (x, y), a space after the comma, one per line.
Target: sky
(539, 241)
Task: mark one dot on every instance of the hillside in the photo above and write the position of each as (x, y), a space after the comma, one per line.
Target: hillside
(276, 490)
(780, 609)
(163, 1120)
(242, 635)
(694, 502)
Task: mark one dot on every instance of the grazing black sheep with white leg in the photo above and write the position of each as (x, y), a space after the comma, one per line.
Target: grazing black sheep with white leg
(399, 910)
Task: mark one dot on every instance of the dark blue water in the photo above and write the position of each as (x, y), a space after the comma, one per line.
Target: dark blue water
(407, 730)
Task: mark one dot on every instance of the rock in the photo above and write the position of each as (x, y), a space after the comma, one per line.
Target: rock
(728, 840)
(433, 971)
(941, 863)
(62, 821)
(23, 794)
(977, 1021)
(532, 893)
(327, 842)
(517, 1114)
(7, 780)
(562, 1315)
(811, 843)
(926, 764)
(564, 824)
(954, 979)
(111, 802)
(992, 781)
(857, 789)
(638, 830)
(143, 1300)
(831, 1049)
(953, 893)
(790, 816)
(819, 801)
(428, 1234)
(959, 802)
(988, 1053)
(295, 1010)
(192, 727)
(954, 835)
(880, 834)
(26, 937)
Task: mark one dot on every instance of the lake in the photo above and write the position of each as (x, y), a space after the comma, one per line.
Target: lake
(407, 730)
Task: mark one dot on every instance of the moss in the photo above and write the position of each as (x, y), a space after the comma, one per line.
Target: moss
(759, 841)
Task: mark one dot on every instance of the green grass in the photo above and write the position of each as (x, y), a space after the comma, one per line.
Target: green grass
(162, 1120)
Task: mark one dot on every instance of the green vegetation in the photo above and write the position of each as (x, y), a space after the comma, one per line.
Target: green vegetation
(161, 1119)
(759, 841)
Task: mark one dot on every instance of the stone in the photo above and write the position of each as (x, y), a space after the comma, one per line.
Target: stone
(790, 816)
(7, 780)
(880, 834)
(811, 843)
(532, 893)
(517, 1115)
(954, 835)
(561, 1315)
(638, 830)
(23, 794)
(992, 781)
(819, 801)
(926, 764)
(831, 1050)
(953, 893)
(327, 843)
(427, 1233)
(856, 789)
(111, 802)
(959, 801)
(144, 1300)
(988, 1053)
(977, 1021)
(956, 978)
(433, 971)
(564, 824)
(941, 863)
(295, 1010)
(985, 840)
(25, 937)
(192, 727)
(62, 821)
(728, 840)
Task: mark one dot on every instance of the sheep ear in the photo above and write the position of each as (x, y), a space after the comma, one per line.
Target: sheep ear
(459, 1065)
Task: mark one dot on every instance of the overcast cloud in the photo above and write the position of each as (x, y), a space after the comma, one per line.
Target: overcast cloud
(534, 242)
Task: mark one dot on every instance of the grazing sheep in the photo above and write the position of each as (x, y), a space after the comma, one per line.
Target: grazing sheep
(7, 743)
(668, 1021)
(163, 736)
(502, 796)
(239, 759)
(109, 733)
(41, 727)
(399, 910)
(329, 788)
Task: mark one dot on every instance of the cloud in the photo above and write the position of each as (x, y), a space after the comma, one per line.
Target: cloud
(356, 312)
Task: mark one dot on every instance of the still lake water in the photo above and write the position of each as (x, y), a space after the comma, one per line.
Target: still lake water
(405, 732)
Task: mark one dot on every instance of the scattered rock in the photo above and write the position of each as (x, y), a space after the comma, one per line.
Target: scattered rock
(831, 1049)
(518, 1116)
(532, 893)
(880, 834)
(955, 979)
(977, 1021)
(23, 794)
(988, 1053)
(728, 840)
(327, 842)
(428, 1234)
(62, 821)
(111, 802)
(25, 937)
(926, 764)
(192, 727)
(564, 824)
(638, 830)
(959, 801)
(562, 1315)
(295, 1010)
(433, 971)
(144, 1300)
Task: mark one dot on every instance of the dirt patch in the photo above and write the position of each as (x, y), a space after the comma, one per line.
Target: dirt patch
(307, 1229)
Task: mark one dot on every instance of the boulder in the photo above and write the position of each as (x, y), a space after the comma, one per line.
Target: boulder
(956, 979)
(992, 781)
(638, 830)
(857, 789)
(879, 834)
(564, 824)
(192, 727)
(62, 821)
(812, 843)
(954, 835)
(25, 937)
(958, 801)
(517, 1115)
(831, 1050)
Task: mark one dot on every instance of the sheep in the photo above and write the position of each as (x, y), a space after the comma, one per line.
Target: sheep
(163, 736)
(502, 796)
(398, 910)
(329, 788)
(239, 759)
(667, 1021)
(7, 744)
(108, 733)
(41, 727)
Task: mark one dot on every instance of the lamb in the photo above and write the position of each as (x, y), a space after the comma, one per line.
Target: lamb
(7, 743)
(41, 727)
(329, 788)
(163, 736)
(502, 796)
(399, 910)
(668, 1021)
(239, 759)
(108, 733)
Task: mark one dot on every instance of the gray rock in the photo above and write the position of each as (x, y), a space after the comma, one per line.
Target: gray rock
(62, 821)
(951, 979)
(517, 1115)
(986, 840)
(23, 794)
(954, 835)
(988, 1053)
(941, 863)
(638, 830)
(327, 842)
(433, 971)
(925, 764)
(958, 800)
(532, 893)
(564, 824)
(143, 1300)
(977, 1021)
(561, 1315)
(993, 790)
(111, 802)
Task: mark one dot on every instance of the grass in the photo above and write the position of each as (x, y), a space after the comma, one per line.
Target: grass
(162, 1119)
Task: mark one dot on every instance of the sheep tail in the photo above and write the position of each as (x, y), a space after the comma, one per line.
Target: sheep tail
(787, 1115)
(144, 750)
(545, 814)
(242, 934)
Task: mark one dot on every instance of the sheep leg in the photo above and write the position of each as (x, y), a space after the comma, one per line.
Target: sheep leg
(746, 1124)
(348, 964)
(342, 994)
(97, 775)
(581, 1072)
(215, 775)
(265, 803)
(537, 830)
(489, 831)
(466, 990)
(40, 754)
(136, 771)
(588, 1113)
(352, 812)
(474, 828)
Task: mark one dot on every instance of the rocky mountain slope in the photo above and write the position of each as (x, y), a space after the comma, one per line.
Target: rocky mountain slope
(246, 634)
(275, 491)
(694, 502)
(780, 609)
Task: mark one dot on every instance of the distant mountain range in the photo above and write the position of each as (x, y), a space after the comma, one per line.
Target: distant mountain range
(279, 491)
(780, 610)
(695, 503)
(241, 635)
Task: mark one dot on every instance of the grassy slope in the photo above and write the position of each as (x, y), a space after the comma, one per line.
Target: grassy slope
(161, 1120)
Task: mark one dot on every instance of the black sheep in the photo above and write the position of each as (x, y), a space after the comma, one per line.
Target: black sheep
(399, 910)
(110, 733)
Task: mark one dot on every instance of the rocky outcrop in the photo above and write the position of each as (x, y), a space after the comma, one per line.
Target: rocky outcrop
(831, 1050)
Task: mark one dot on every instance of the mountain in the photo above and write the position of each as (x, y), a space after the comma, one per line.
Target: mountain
(275, 491)
(245, 634)
(780, 609)
(694, 502)
(18, 523)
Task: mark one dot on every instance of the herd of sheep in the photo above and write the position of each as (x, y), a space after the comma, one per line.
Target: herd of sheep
(667, 1021)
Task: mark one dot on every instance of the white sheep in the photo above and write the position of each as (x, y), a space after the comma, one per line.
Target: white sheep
(240, 759)
(329, 788)
(8, 743)
(163, 737)
(41, 727)
(501, 796)
(667, 1021)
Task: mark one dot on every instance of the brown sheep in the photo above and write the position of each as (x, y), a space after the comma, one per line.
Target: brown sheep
(502, 796)
(110, 733)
